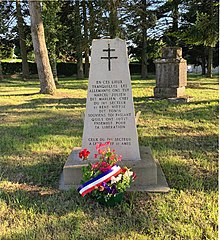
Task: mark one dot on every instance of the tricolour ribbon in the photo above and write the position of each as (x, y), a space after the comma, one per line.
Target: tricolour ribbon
(90, 185)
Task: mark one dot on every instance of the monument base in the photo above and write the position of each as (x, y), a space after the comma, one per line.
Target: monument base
(169, 92)
(150, 177)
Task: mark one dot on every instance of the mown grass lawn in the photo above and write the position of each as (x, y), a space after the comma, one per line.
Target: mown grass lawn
(38, 132)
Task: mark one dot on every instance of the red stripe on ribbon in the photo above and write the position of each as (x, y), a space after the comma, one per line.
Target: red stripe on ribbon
(99, 184)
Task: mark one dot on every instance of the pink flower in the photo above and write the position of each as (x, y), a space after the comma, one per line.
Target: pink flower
(95, 155)
(102, 145)
(119, 157)
(101, 148)
(97, 146)
(101, 151)
(96, 165)
(104, 164)
(107, 143)
(104, 167)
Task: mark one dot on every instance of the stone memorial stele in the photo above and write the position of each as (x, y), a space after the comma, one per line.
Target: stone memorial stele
(171, 74)
(110, 117)
(109, 108)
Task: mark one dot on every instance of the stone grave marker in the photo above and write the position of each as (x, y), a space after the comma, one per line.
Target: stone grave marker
(171, 74)
(109, 108)
(110, 117)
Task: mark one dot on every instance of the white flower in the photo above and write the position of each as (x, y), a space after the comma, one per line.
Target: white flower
(116, 179)
(128, 173)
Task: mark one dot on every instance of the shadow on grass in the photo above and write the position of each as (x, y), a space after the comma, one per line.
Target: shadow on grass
(45, 169)
(143, 84)
(184, 177)
(63, 84)
(54, 102)
(42, 127)
(202, 86)
(19, 94)
(17, 139)
(200, 143)
(71, 83)
(21, 84)
(41, 169)
(68, 212)
(205, 112)
(195, 163)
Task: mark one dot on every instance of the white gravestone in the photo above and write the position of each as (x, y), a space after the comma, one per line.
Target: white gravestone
(109, 108)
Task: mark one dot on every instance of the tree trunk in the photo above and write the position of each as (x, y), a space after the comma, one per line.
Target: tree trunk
(78, 43)
(47, 85)
(25, 67)
(53, 64)
(210, 62)
(210, 48)
(144, 42)
(1, 74)
(203, 65)
(86, 40)
(175, 15)
(91, 21)
(86, 62)
(144, 60)
(113, 19)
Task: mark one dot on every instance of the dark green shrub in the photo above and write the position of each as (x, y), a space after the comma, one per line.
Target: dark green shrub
(66, 69)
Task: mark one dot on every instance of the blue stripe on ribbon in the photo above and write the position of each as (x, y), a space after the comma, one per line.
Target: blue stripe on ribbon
(95, 178)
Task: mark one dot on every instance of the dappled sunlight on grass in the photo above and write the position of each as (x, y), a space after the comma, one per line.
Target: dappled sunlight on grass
(39, 131)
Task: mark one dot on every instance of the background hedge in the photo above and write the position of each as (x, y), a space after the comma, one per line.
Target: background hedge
(65, 69)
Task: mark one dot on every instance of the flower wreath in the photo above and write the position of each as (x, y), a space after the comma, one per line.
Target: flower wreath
(104, 178)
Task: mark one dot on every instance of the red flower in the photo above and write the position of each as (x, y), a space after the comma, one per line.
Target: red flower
(84, 154)
(112, 157)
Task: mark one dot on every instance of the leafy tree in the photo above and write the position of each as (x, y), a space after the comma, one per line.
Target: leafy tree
(140, 19)
(86, 38)
(78, 42)
(202, 28)
(169, 15)
(6, 37)
(113, 18)
(53, 31)
(207, 27)
(71, 19)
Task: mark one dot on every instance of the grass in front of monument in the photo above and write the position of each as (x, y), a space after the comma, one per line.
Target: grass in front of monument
(38, 132)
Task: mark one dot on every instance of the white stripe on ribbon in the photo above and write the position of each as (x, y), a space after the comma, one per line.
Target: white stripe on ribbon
(115, 170)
